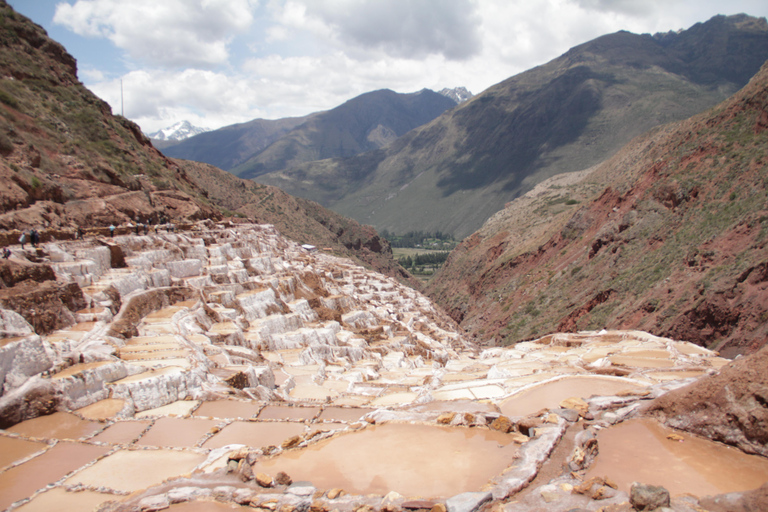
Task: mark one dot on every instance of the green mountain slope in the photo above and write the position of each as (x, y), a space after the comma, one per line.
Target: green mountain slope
(567, 115)
(669, 236)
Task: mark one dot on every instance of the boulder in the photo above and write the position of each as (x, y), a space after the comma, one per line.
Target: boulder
(648, 497)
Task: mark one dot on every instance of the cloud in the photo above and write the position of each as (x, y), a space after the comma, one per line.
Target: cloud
(175, 33)
(411, 29)
(628, 7)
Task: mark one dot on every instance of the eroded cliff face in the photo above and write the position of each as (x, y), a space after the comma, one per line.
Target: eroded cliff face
(221, 363)
(668, 236)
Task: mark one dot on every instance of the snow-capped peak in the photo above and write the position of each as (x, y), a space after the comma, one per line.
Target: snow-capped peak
(179, 131)
(457, 94)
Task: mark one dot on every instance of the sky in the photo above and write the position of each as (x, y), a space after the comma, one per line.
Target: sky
(221, 62)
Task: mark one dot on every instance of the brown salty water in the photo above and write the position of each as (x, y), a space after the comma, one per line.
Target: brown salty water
(639, 450)
(413, 460)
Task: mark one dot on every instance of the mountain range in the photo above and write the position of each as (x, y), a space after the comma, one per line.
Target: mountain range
(567, 115)
(368, 121)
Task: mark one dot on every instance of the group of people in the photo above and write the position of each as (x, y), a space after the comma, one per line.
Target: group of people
(32, 237)
(145, 227)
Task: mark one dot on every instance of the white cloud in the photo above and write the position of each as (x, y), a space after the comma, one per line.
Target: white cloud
(402, 29)
(300, 56)
(175, 33)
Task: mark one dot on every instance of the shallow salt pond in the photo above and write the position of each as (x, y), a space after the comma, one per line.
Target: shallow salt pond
(59, 425)
(13, 449)
(122, 432)
(280, 412)
(550, 394)
(103, 409)
(60, 499)
(130, 470)
(413, 460)
(177, 432)
(257, 434)
(228, 409)
(23, 480)
(639, 450)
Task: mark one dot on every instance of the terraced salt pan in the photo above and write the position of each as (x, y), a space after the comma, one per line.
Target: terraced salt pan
(549, 394)
(131, 470)
(413, 460)
(640, 450)
(346, 414)
(255, 433)
(181, 362)
(177, 408)
(13, 449)
(78, 368)
(172, 370)
(228, 409)
(675, 375)
(345, 368)
(59, 498)
(280, 412)
(23, 480)
(312, 392)
(394, 399)
(122, 432)
(102, 410)
(59, 425)
(177, 432)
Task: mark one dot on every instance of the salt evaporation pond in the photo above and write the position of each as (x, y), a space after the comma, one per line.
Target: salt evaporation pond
(411, 459)
(640, 451)
(549, 394)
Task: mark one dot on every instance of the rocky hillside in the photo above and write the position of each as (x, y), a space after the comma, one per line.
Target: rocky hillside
(564, 116)
(66, 161)
(671, 240)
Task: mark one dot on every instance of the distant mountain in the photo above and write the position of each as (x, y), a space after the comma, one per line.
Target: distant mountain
(178, 131)
(457, 94)
(669, 236)
(232, 145)
(369, 121)
(564, 116)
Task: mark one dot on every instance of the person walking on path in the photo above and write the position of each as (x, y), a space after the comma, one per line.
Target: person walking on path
(23, 240)
(112, 231)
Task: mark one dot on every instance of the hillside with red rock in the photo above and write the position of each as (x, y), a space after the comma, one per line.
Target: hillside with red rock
(668, 236)
(67, 162)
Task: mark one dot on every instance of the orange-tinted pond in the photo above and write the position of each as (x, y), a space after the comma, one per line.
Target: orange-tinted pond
(639, 451)
(59, 425)
(177, 432)
(414, 460)
(281, 412)
(228, 409)
(550, 394)
(256, 434)
(21, 481)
